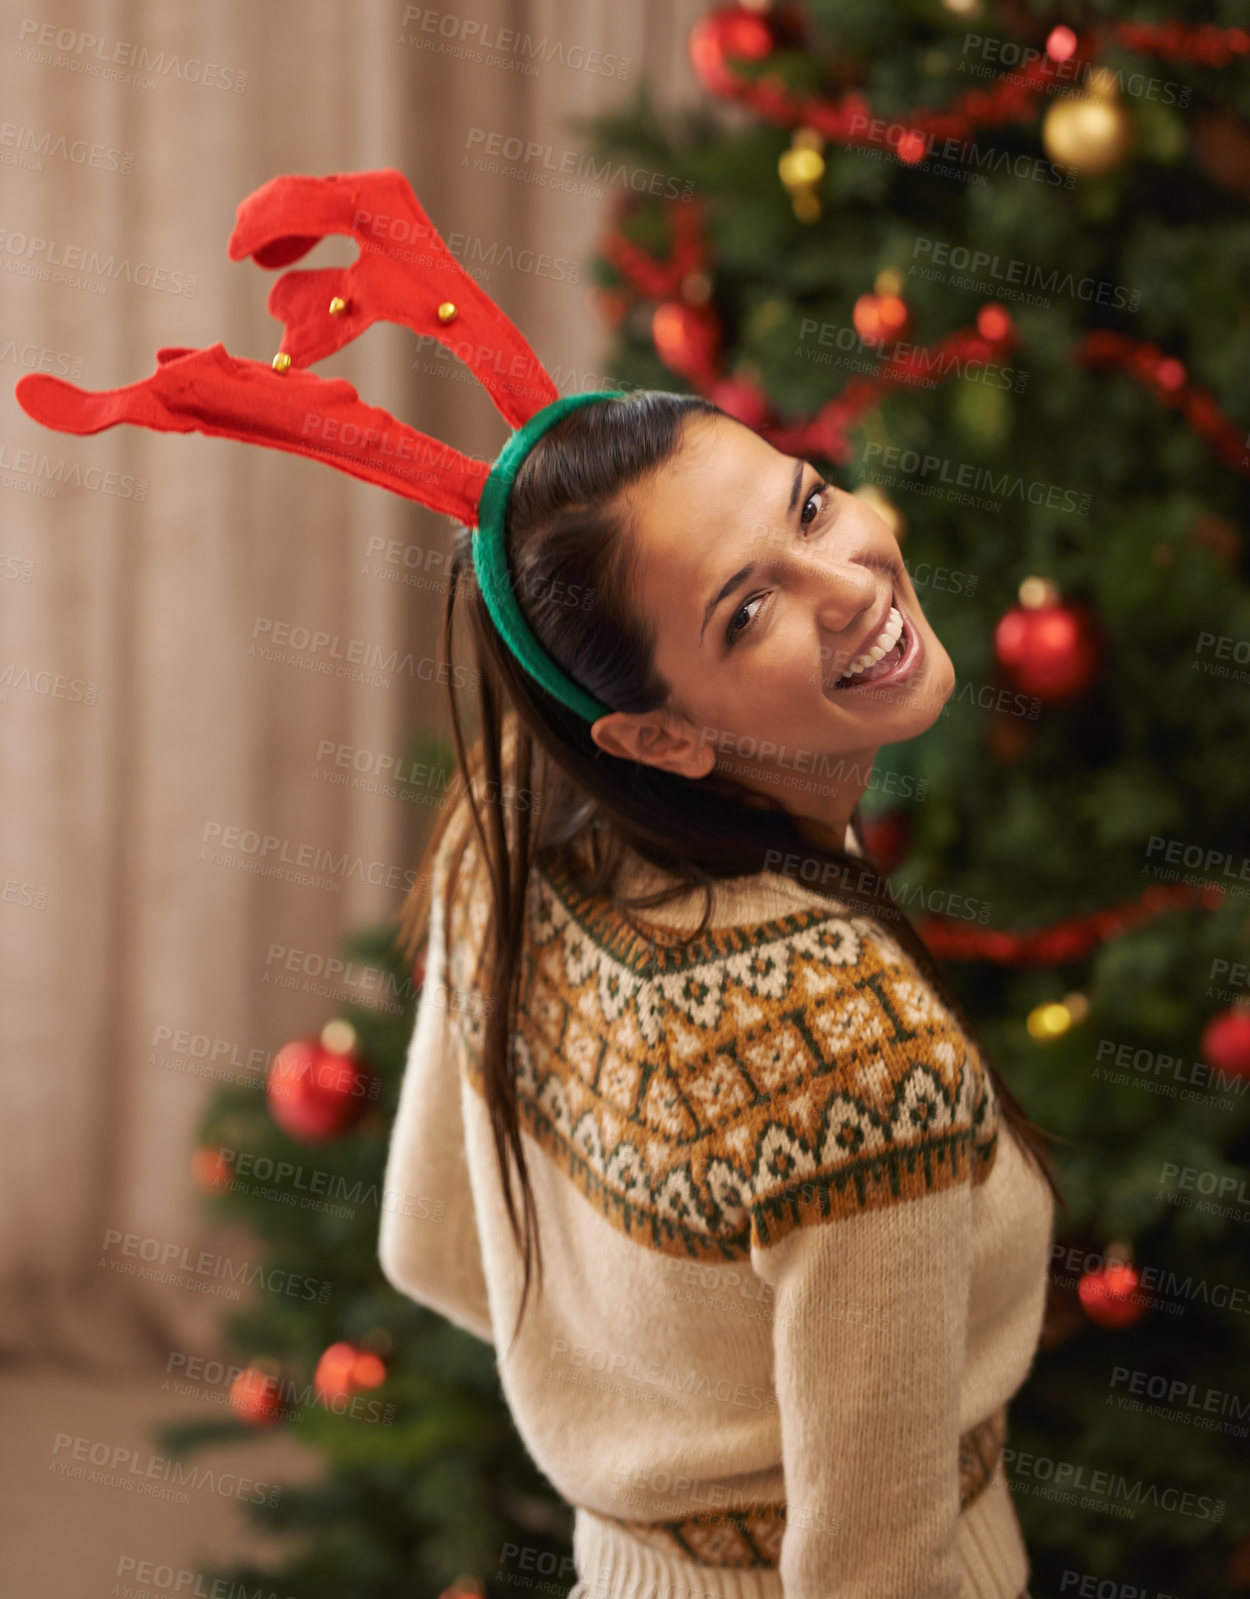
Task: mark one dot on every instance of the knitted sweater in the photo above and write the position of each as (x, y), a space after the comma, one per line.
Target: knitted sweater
(794, 1264)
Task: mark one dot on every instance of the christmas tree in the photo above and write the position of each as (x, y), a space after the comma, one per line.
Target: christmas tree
(981, 264)
(426, 1487)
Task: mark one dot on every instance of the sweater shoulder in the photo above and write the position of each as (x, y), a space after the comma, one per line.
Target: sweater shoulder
(788, 1067)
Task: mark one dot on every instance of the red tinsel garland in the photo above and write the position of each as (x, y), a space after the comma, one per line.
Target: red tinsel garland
(995, 335)
(1206, 44)
(1072, 939)
(1010, 98)
(1167, 379)
(653, 278)
(826, 433)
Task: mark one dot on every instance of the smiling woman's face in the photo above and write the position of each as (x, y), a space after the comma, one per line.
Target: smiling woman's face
(770, 593)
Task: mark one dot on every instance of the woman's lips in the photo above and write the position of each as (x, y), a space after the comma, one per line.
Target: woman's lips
(900, 665)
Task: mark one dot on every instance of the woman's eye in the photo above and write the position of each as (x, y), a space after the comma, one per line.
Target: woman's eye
(813, 505)
(733, 629)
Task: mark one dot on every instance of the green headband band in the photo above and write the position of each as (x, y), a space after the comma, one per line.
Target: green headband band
(491, 562)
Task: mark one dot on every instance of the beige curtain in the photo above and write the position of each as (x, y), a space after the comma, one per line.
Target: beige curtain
(138, 570)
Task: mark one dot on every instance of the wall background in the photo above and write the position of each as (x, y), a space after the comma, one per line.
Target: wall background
(137, 569)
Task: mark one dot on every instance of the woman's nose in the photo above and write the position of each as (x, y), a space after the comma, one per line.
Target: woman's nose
(843, 591)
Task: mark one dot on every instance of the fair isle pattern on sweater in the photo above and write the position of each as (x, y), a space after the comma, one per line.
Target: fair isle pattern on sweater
(701, 1097)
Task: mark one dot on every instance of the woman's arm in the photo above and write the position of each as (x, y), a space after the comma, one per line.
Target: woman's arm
(870, 1314)
(429, 1246)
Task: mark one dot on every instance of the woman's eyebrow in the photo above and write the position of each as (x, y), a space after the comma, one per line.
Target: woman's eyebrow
(744, 573)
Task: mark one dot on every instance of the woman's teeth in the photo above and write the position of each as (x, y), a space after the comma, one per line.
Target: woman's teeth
(881, 645)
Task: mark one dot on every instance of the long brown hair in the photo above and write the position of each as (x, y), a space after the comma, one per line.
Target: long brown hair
(574, 568)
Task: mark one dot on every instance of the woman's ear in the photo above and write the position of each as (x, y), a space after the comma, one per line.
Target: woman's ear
(654, 739)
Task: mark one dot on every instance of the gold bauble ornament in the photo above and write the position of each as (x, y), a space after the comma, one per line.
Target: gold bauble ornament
(1048, 1021)
(801, 169)
(1092, 133)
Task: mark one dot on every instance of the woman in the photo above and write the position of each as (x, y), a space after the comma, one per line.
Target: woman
(790, 1228)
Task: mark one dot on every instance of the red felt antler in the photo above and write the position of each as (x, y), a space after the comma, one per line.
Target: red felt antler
(405, 273)
(212, 391)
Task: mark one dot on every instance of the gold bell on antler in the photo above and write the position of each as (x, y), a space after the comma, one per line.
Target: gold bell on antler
(338, 305)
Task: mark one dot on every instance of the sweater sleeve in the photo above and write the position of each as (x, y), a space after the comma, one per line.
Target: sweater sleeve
(869, 1327)
(429, 1246)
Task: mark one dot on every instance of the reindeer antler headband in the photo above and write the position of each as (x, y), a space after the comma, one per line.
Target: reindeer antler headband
(404, 273)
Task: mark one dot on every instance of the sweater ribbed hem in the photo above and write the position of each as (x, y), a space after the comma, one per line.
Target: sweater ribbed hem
(991, 1546)
(613, 1565)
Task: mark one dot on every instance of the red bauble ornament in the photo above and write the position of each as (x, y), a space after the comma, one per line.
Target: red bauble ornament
(317, 1087)
(686, 338)
(741, 399)
(881, 318)
(343, 1369)
(888, 837)
(1052, 651)
(211, 1169)
(255, 1395)
(1226, 1042)
(1113, 1296)
(734, 31)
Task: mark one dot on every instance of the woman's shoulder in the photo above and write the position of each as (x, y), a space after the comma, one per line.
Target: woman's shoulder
(791, 1037)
